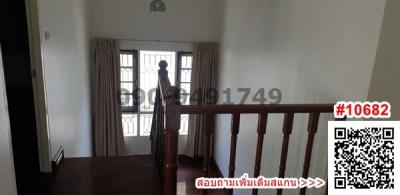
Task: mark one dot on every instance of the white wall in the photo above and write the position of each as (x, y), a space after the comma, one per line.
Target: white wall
(67, 78)
(184, 20)
(7, 175)
(315, 51)
(384, 83)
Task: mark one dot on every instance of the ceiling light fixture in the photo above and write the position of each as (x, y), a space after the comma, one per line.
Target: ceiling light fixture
(157, 6)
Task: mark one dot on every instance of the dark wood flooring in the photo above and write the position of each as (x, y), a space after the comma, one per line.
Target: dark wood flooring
(128, 175)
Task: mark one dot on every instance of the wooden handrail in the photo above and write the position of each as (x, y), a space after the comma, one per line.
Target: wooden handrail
(261, 130)
(256, 108)
(286, 130)
(166, 122)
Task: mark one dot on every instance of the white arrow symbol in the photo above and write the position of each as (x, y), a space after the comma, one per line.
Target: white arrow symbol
(311, 182)
(319, 182)
(303, 183)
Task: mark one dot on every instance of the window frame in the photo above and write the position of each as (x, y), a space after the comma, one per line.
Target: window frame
(178, 82)
(135, 107)
(179, 68)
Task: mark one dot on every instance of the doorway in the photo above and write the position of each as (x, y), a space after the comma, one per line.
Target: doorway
(17, 71)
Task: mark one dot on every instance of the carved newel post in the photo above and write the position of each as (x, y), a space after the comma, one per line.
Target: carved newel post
(170, 99)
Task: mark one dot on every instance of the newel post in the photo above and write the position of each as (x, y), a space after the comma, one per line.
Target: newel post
(172, 125)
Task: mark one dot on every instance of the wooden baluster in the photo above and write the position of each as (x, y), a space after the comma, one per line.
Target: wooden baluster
(312, 129)
(261, 129)
(234, 132)
(287, 130)
(207, 145)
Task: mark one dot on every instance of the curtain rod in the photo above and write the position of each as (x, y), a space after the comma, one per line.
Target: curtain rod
(155, 40)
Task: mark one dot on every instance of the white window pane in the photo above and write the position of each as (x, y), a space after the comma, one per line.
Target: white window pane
(122, 59)
(129, 124)
(189, 61)
(183, 61)
(150, 60)
(129, 62)
(186, 61)
(126, 87)
(126, 100)
(185, 88)
(184, 124)
(157, 59)
(186, 75)
(126, 74)
(145, 124)
(125, 60)
(149, 74)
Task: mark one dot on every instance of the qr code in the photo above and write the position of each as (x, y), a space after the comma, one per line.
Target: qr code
(364, 158)
(363, 155)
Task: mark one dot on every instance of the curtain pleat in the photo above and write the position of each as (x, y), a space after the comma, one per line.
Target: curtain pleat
(204, 75)
(107, 115)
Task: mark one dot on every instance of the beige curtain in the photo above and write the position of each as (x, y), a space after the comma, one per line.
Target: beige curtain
(204, 73)
(107, 130)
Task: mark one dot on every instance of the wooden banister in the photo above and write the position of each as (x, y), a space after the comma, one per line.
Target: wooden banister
(207, 145)
(287, 130)
(166, 125)
(235, 123)
(312, 129)
(261, 129)
(256, 108)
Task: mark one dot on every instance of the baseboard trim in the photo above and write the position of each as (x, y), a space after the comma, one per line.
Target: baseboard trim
(57, 160)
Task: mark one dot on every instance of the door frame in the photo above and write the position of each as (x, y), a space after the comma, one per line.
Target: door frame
(39, 86)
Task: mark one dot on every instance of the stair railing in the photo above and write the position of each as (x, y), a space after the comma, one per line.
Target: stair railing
(166, 123)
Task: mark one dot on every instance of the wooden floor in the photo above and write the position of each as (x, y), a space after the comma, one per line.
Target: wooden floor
(128, 175)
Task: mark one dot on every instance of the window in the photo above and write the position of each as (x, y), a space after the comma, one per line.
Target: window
(184, 83)
(129, 67)
(139, 77)
(148, 78)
